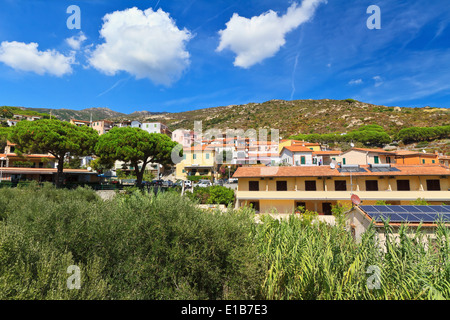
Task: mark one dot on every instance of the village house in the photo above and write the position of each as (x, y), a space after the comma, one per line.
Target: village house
(367, 156)
(197, 161)
(290, 142)
(297, 155)
(102, 126)
(414, 157)
(318, 188)
(184, 137)
(156, 127)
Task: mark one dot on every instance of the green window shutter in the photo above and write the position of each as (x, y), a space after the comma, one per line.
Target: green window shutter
(303, 160)
(207, 156)
(376, 159)
(343, 160)
(194, 156)
(423, 161)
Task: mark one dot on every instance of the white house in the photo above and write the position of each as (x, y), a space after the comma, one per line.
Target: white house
(296, 155)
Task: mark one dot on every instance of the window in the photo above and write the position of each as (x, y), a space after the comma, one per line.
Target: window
(388, 159)
(302, 159)
(376, 159)
(423, 161)
(433, 185)
(184, 156)
(371, 185)
(403, 185)
(340, 185)
(326, 208)
(207, 156)
(433, 161)
(254, 205)
(253, 185)
(281, 185)
(310, 185)
(343, 161)
(194, 156)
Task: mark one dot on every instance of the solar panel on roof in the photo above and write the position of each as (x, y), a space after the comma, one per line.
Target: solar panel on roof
(398, 209)
(368, 209)
(408, 213)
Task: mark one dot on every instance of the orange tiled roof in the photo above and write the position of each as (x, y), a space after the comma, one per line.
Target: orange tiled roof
(295, 148)
(373, 150)
(326, 171)
(414, 153)
(330, 152)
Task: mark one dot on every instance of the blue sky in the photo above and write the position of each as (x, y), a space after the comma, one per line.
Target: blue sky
(181, 55)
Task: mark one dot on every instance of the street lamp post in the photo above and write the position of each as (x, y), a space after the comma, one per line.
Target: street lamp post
(229, 167)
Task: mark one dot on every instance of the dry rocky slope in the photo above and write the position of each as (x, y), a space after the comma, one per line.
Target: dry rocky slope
(303, 116)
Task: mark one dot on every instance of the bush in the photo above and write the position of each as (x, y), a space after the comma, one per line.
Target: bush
(137, 246)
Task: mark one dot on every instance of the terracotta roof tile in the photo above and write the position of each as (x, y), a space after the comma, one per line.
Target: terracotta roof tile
(321, 171)
(296, 148)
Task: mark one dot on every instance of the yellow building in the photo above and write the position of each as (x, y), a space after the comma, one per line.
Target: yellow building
(289, 142)
(197, 161)
(283, 189)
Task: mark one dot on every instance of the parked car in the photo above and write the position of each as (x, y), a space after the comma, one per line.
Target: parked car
(167, 184)
(128, 182)
(218, 182)
(157, 183)
(204, 183)
(233, 180)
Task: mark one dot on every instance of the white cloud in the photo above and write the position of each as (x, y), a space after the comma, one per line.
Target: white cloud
(27, 57)
(355, 82)
(378, 81)
(258, 38)
(146, 44)
(76, 41)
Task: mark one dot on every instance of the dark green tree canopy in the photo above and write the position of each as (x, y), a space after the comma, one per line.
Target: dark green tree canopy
(55, 137)
(135, 146)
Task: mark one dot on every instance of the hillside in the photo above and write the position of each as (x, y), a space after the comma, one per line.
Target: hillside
(305, 116)
(85, 114)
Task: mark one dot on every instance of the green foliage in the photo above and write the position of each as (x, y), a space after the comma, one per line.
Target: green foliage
(320, 261)
(372, 135)
(212, 195)
(101, 164)
(220, 195)
(382, 203)
(54, 137)
(198, 178)
(137, 147)
(416, 134)
(420, 202)
(135, 246)
(8, 112)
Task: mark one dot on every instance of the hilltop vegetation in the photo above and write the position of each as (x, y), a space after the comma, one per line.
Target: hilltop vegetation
(290, 117)
(306, 116)
(8, 112)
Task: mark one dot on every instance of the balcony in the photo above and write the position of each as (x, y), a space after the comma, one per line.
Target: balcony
(344, 195)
